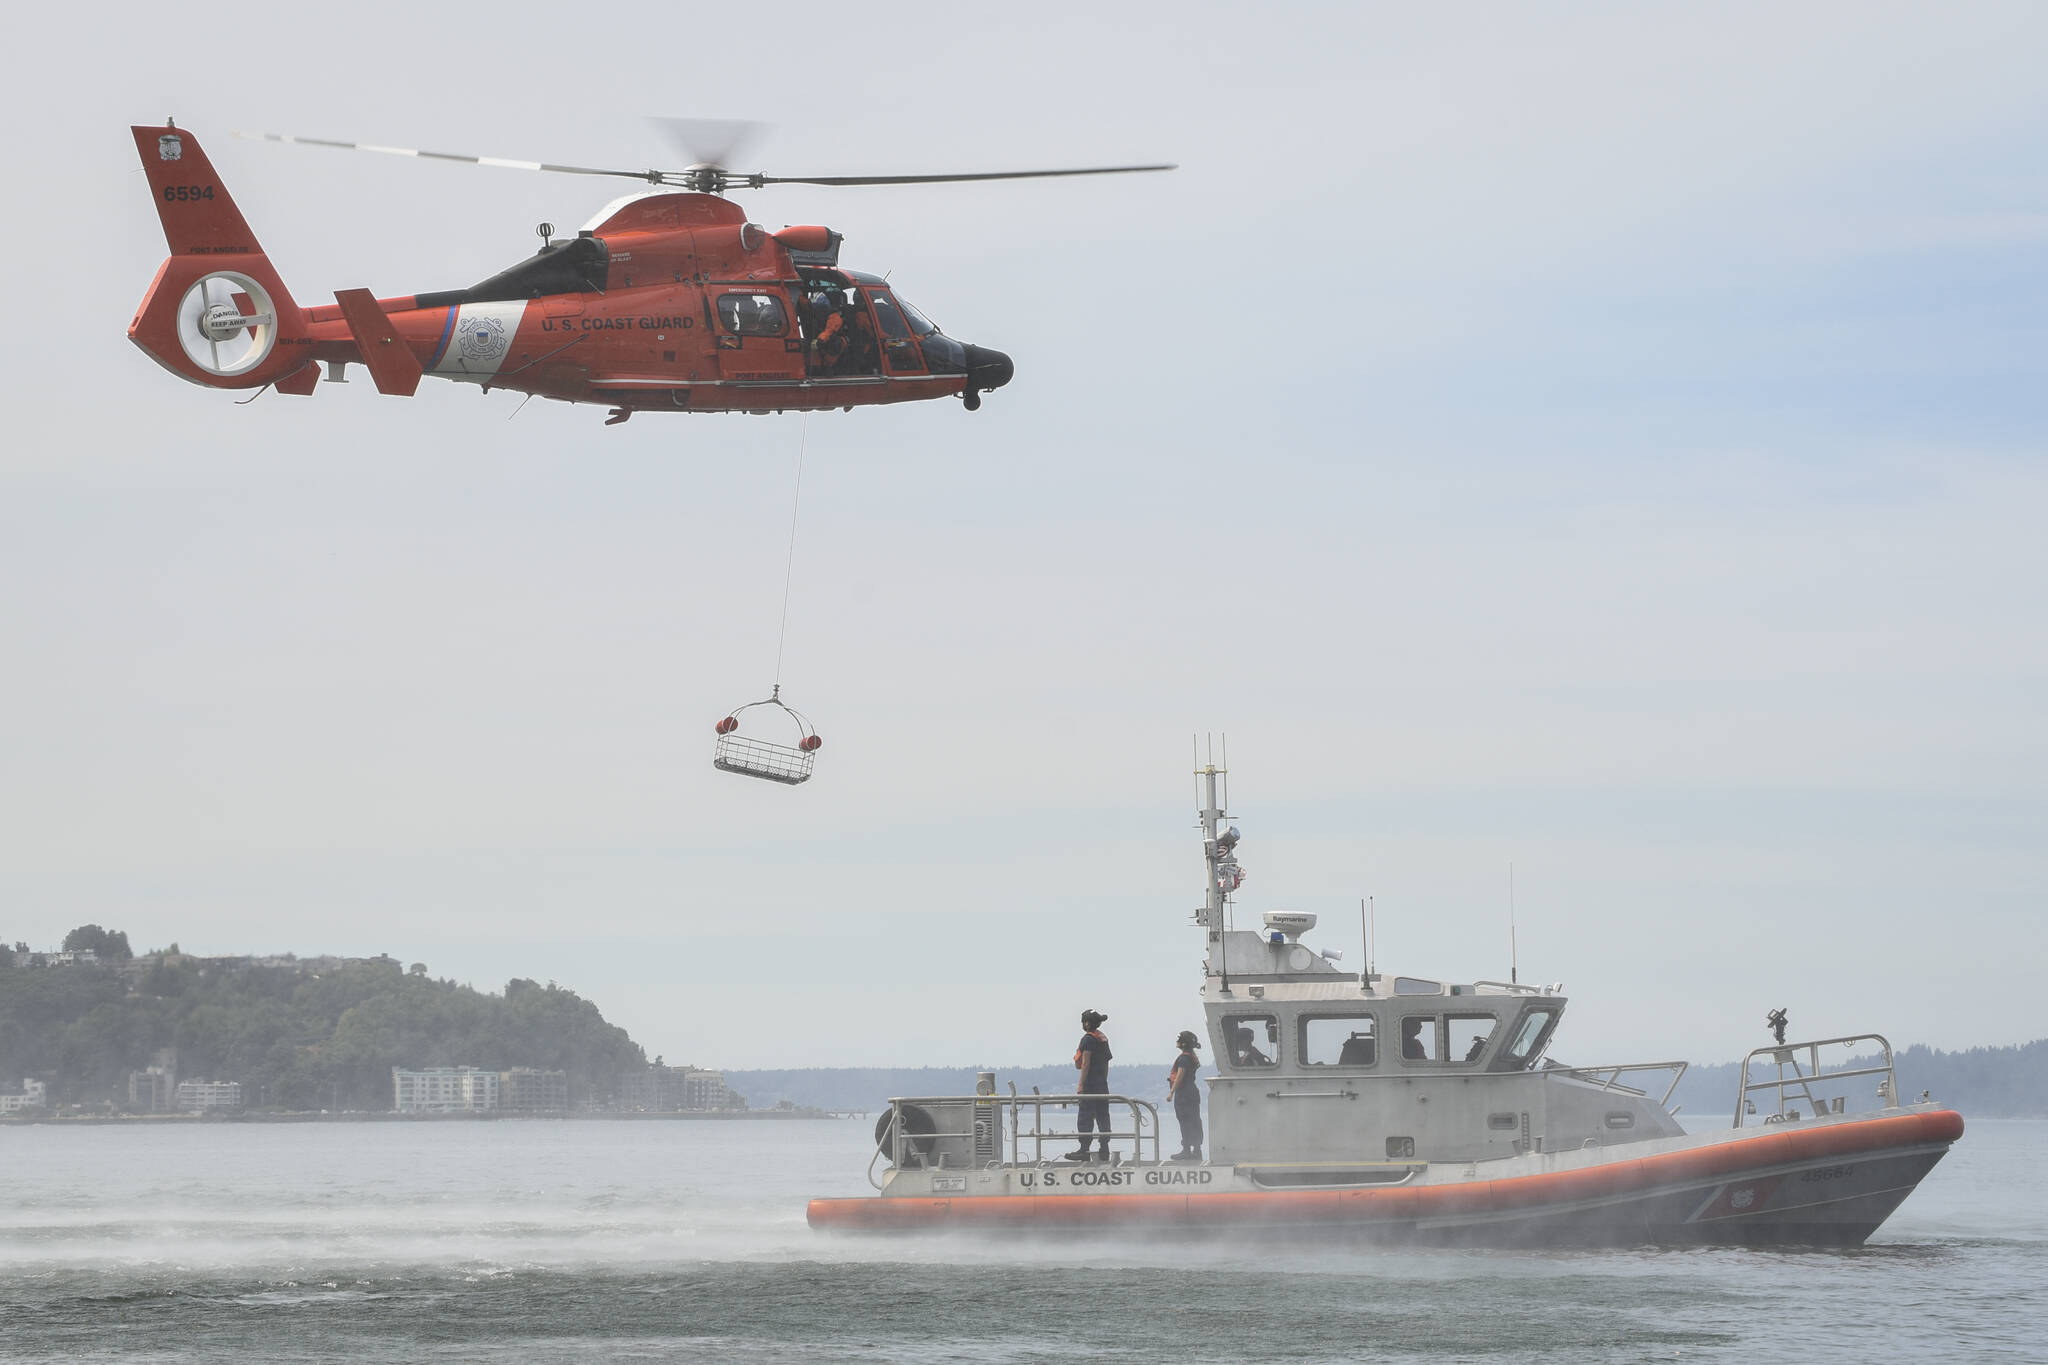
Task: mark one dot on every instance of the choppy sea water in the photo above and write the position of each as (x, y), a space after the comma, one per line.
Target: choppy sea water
(659, 1241)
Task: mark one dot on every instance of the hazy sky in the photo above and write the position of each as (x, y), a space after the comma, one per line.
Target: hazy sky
(1606, 440)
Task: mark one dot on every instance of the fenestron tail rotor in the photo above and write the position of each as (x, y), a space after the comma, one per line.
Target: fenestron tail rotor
(712, 144)
(227, 323)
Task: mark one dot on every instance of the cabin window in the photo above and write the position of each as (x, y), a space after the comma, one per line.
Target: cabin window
(1469, 1035)
(1617, 1118)
(753, 315)
(1528, 1039)
(1400, 1148)
(1419, 1041)
(1253, 1039)
(1340, 1040)
(1503, 1123)
(886, 314)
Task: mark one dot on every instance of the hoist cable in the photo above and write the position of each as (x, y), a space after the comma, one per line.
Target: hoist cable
(789, 565)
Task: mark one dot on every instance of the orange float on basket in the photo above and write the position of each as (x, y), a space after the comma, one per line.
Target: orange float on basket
(783, 759)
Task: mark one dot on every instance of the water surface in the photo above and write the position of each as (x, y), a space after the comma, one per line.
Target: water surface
(664, 1241)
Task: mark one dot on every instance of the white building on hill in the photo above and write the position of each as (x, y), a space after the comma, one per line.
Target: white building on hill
(34, 1095)
(200, 1097)
(445, 1090)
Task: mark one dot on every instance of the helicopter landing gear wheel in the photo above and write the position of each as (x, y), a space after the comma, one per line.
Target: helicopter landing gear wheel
(970, 399)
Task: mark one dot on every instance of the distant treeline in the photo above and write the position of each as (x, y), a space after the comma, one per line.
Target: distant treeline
(294, 1037)
(1987, 1082)
(1993, 1082)
(870, 1088)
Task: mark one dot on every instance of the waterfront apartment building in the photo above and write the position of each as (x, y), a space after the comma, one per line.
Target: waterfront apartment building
(670, 1089)
(204, 1097)
(705, 1090)
(445, 1090)
(150, 1090)
(524, 1090)
(34, 1095)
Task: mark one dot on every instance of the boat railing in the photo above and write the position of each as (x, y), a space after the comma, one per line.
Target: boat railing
(1794, 1082)
(975, 1132)
(1609, 1077)
(1516, 987)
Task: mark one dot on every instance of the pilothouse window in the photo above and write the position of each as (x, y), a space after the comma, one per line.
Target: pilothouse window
(1253, 1039)
(1469, 1035)
(1419, 1042)
(1342, 1040)
(1528, 1040)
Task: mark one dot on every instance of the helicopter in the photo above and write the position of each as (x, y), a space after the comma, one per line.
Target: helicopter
(668, 300)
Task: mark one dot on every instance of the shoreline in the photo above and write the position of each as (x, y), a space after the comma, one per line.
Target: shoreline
(186, 1120)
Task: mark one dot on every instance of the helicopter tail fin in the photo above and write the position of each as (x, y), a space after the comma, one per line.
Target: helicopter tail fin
(217, 310)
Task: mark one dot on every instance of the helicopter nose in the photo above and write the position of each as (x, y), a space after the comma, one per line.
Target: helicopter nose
(987, 369)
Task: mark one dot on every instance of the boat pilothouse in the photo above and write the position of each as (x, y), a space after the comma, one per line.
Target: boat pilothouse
(1403, 1108)
(1320, 1064)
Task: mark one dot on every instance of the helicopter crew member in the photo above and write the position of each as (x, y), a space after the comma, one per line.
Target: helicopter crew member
(828, 333)
(862, 355)
(1091, 1059)
(1183, 1083)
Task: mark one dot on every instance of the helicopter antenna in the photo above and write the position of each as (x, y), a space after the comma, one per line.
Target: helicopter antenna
(789, 564)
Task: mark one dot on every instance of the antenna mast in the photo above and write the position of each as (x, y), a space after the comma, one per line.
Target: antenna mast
(1365, 947)
(1513, 965)
(1219, 844)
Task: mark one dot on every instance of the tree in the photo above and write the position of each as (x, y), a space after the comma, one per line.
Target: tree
(109, 945)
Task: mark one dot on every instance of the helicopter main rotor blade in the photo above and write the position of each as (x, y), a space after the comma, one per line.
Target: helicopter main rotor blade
(758, 180)
(708, 176)
(650, 176)
(709, 141)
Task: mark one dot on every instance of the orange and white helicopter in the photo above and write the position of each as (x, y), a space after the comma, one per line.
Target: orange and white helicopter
(670, 300)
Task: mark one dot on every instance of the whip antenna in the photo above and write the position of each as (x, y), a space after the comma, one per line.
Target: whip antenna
(1513, 979)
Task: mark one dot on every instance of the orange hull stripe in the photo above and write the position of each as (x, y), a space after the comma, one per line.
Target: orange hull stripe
(1517, 1194)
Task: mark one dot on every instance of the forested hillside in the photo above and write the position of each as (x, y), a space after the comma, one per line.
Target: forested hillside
(295, 1037)
(870, 1087)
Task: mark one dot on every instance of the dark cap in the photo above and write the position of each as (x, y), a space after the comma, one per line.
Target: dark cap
(1090, 1018)
(1187, 1039)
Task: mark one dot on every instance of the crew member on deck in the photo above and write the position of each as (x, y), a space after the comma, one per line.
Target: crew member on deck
(1091, 1059)
(1183, 1083)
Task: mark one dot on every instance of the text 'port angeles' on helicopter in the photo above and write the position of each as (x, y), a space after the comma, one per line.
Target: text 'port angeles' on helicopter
(667, 300)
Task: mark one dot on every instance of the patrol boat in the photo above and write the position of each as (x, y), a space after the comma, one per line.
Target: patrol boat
(1406, 1109)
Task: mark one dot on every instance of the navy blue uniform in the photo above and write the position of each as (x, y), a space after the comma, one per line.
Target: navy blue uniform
(1091, 1059)
(1183, 1080)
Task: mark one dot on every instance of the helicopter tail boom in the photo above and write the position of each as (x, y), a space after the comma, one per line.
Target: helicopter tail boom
(217, 313)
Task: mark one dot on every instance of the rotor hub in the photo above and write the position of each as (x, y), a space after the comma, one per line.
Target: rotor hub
(221, 321)
(705, 178)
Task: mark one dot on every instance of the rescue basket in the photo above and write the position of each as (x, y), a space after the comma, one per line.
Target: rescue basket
(754, 755)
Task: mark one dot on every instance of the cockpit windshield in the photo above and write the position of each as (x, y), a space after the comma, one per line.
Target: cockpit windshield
(920, 325)
(1529, 1037)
